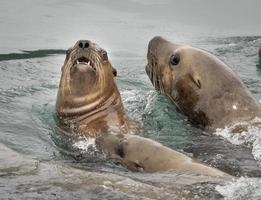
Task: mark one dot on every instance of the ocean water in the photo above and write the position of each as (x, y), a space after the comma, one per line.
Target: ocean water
(33, 39)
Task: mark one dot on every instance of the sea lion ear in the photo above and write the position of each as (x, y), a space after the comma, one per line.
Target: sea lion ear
(196, 80)
(114, 71)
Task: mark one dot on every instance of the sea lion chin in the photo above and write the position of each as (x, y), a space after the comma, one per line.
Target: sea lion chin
(201, 86)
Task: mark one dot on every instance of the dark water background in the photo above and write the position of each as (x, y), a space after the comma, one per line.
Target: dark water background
(35, 34)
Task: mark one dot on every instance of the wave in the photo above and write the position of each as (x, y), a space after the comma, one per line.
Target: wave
(31, 54)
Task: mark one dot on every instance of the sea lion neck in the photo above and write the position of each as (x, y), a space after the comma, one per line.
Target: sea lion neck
(90, 112)
(71, 106)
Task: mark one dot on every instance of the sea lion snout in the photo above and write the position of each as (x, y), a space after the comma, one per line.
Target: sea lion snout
(155, 41)
(83, 44)
(159, 56)
(87, 47)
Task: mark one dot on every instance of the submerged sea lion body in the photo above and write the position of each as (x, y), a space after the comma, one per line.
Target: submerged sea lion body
(88, 99)
(201, 86)
(143, 154)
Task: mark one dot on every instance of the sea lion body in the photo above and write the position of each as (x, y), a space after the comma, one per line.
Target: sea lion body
(143, 154)
(88, 100)
(201, 86)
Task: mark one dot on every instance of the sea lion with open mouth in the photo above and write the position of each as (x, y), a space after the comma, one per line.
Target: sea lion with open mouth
(88, 99)
(201, 86)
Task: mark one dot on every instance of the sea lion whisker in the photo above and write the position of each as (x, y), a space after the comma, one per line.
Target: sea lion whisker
(160, 87)
(154, 79)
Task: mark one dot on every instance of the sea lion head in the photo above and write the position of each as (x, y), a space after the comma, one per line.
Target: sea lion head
(201, 86)
(87, 79)
(172, 69)
(123, 148)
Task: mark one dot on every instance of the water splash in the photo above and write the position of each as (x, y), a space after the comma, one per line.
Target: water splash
(243, 188)
(250, 136)
(85, 144)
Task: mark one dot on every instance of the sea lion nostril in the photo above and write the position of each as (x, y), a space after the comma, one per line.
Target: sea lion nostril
(86, 45)
(83, 44)
(80, 44)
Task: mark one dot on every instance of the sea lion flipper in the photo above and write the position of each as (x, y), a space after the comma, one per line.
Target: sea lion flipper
(133, 166)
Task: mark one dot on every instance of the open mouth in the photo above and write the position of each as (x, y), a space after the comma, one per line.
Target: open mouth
(85, 61)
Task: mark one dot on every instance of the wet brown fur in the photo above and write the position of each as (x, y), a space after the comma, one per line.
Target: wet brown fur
(201, 86)
(88, 100)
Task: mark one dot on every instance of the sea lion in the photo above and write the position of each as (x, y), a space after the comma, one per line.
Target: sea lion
(143, 154)
(88, 100)
(201, 86)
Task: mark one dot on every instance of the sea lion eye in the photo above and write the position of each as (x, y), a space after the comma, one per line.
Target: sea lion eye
(174, 59)
(68, 51)
(104, 55)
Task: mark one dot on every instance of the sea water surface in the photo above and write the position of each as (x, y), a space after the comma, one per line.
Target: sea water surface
(38, 163)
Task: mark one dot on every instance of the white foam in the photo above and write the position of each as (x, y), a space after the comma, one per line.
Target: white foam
(243, 188)
(250, 137)
(84, 144)
(232, 44)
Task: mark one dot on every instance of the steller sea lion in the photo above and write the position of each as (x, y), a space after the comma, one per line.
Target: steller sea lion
(201, 86)
(88, 99)
(143, 154)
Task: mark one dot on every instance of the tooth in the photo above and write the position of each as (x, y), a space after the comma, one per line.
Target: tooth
(89, 63)
(77, 61)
